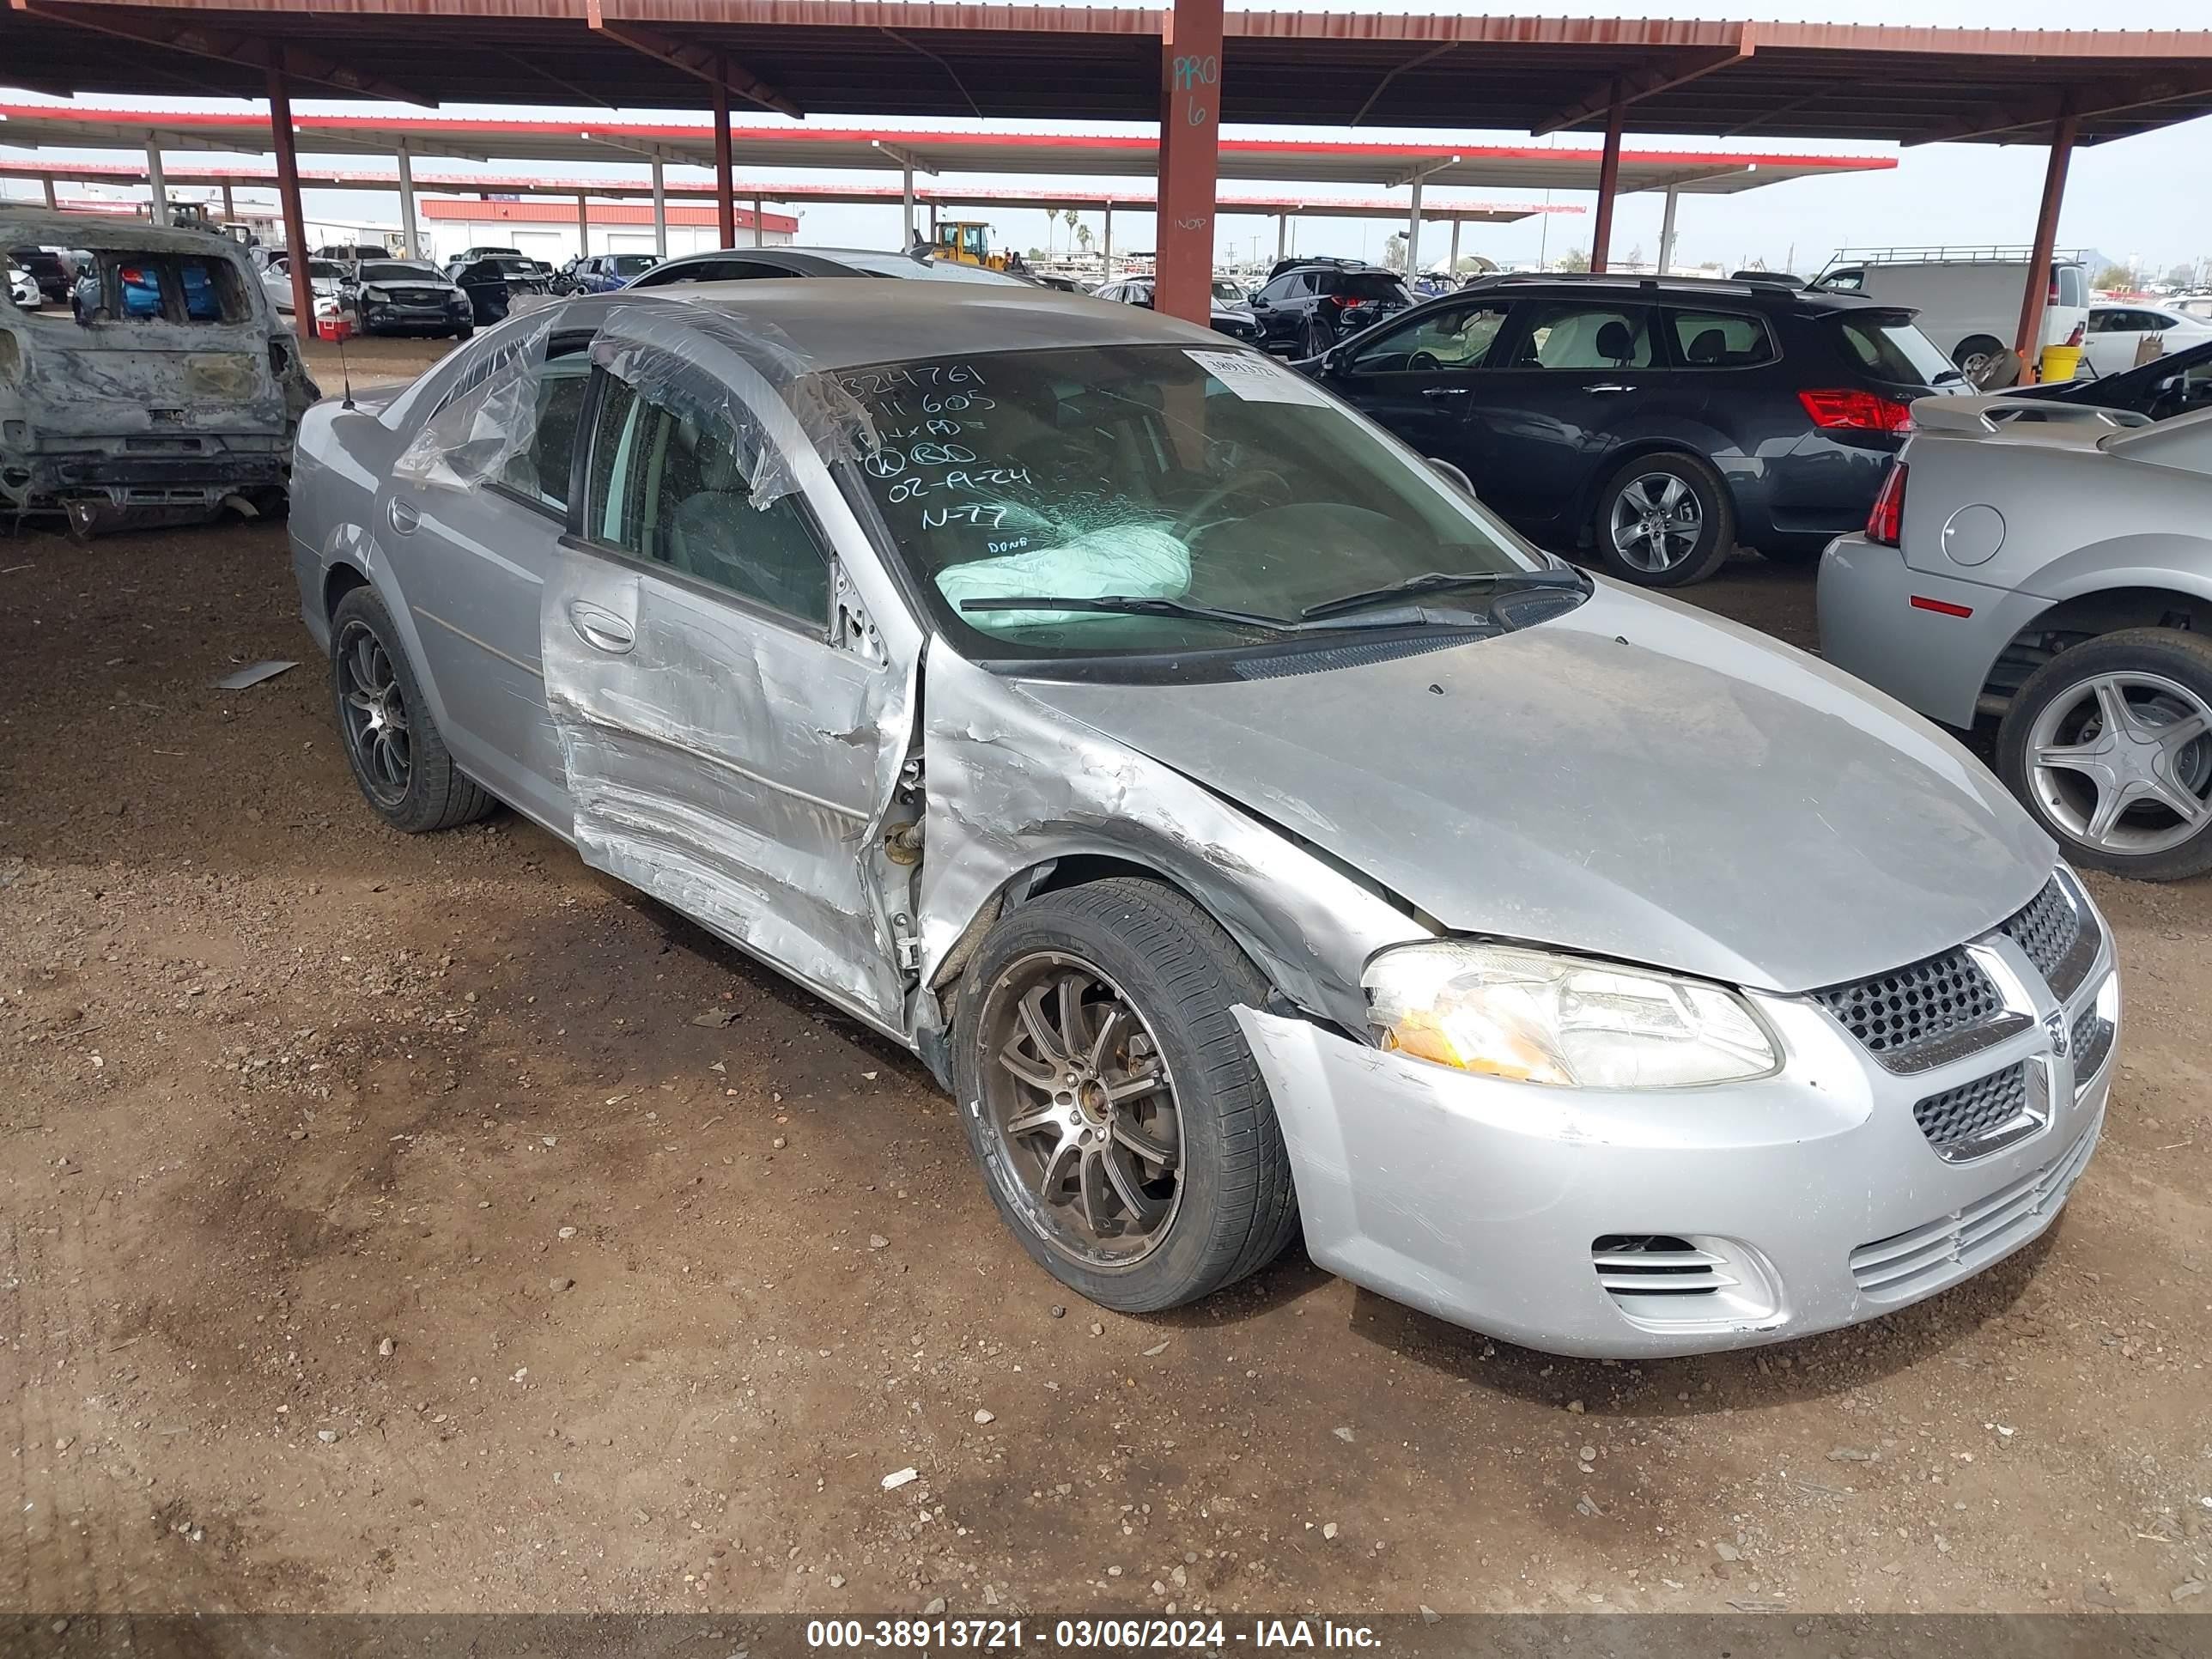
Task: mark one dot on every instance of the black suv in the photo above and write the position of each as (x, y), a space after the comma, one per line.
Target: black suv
(1662, 421)
(1310, 307)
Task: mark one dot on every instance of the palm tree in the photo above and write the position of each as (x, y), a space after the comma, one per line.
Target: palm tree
(1083, 238)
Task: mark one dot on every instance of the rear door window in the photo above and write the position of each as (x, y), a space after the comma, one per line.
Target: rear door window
(178, 288)
(1366, 285)
(2072, 285)
(540, 474)
(1579, 335)
(1891, 349)
(1721, 339)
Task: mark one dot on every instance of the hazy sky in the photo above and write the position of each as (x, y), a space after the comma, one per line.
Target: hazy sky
(2146, 199)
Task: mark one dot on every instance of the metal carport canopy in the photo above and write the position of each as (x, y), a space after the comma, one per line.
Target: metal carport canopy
(1345, 162)
(458, 186)
(1774, 81)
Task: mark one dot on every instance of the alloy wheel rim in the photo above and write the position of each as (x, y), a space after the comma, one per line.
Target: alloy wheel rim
(2123, 762)
(377, 729)
(1083, 1109)
(1656, 522)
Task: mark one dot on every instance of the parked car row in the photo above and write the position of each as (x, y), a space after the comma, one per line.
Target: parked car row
(385, 296)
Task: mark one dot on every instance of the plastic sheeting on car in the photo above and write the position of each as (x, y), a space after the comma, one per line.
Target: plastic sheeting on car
(478, 432)
(713, 367)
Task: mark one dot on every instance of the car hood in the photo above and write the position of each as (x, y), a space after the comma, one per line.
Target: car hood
(1634, 780)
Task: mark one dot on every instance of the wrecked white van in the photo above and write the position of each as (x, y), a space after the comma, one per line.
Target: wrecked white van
(165, 391)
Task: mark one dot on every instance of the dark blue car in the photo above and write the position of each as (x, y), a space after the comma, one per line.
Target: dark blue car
(1659, 423)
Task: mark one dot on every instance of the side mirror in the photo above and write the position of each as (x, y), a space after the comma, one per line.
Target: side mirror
(1259, 304)
(1333, 361)
(1452, 476)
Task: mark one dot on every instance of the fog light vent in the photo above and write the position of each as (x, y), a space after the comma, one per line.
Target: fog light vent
(1656, 1264)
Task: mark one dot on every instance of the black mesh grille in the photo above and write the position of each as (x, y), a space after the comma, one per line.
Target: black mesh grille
(2092, 1042)
(2046, 928)
(1959, 1115)
(1901, 1010)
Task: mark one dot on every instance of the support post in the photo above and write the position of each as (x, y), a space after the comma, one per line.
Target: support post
(906, 222)
(1106, 254)
(288, 199)
(1609, 181)
(157, 183)
(410, 229)
(2029, 344)
(726, 205)
(659, 211)
(1453, 263)
(760, 229)
(1413, 235)
(1190, 133)
(1282, 234)
(1667, 231)
(53, 202)
(583, 224)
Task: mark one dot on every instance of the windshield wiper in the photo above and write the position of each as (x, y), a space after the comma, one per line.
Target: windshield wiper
(1488, 581)
(1134, 605)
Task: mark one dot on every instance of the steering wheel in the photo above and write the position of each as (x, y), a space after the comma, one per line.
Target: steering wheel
(1423, 359)
(1236, 485)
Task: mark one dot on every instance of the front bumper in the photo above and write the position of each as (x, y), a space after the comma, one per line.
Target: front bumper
(1811, 1198)
(377, 318)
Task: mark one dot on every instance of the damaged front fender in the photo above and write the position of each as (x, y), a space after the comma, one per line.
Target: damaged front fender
(1013, 785)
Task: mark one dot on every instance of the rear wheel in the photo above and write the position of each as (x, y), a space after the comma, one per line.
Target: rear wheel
(1664, 520)
(1983, 359)
(2110, 746)
(398, 757)
(1316, 336)
(1123, 1126)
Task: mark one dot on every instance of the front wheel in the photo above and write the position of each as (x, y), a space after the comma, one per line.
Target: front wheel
(1664, 521)
(1988, 367)
(2110, 746)
(1123, 1126)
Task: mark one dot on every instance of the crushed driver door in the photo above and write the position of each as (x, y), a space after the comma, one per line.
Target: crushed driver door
(733, 723)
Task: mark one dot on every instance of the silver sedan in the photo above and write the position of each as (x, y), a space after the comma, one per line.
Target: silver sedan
(1252, 835)
(2045, 569)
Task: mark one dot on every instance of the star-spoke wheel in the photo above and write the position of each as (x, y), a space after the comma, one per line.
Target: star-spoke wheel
(2122, 762)
(1084, 1108)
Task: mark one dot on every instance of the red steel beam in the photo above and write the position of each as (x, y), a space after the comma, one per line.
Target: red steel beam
(2086, 101)
(1663, 74)
(1609, 186)
(725, 198)
(288, 196)
(1191, 136)
(2030, 340)
(227, 46)
(716, 67)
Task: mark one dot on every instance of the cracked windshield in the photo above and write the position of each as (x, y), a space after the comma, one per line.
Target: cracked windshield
(1146, 499)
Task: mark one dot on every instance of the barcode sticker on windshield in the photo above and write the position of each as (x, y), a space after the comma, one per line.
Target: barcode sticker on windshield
(1257, 379)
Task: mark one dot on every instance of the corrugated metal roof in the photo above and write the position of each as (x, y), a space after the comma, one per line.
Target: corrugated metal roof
(910, 58)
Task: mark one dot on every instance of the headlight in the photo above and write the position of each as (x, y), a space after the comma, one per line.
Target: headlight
(376, 294)
(1536, 1017)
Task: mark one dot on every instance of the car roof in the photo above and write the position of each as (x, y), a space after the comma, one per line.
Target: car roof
(844, 325)
(1678, 287)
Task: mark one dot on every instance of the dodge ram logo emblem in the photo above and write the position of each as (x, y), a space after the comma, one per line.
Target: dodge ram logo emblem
(2060, 1038)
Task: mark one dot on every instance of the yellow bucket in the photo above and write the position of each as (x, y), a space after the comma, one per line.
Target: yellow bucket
(2059, 362)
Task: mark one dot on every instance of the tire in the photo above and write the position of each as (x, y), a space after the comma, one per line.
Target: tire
(2161, 676)
(465, 331)
(1983, 359)
(1315, 337)
(409, 780)
(1226, 1207)
(1700, 506)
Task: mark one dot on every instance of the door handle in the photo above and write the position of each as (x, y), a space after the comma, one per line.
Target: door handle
(1446, 391)
(600, 627)
(1609, 386)
(403, 518)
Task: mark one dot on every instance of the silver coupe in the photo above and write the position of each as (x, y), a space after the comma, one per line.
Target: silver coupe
(1254, 836)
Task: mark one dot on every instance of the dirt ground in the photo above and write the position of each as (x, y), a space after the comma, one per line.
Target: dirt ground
(427, 1224)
